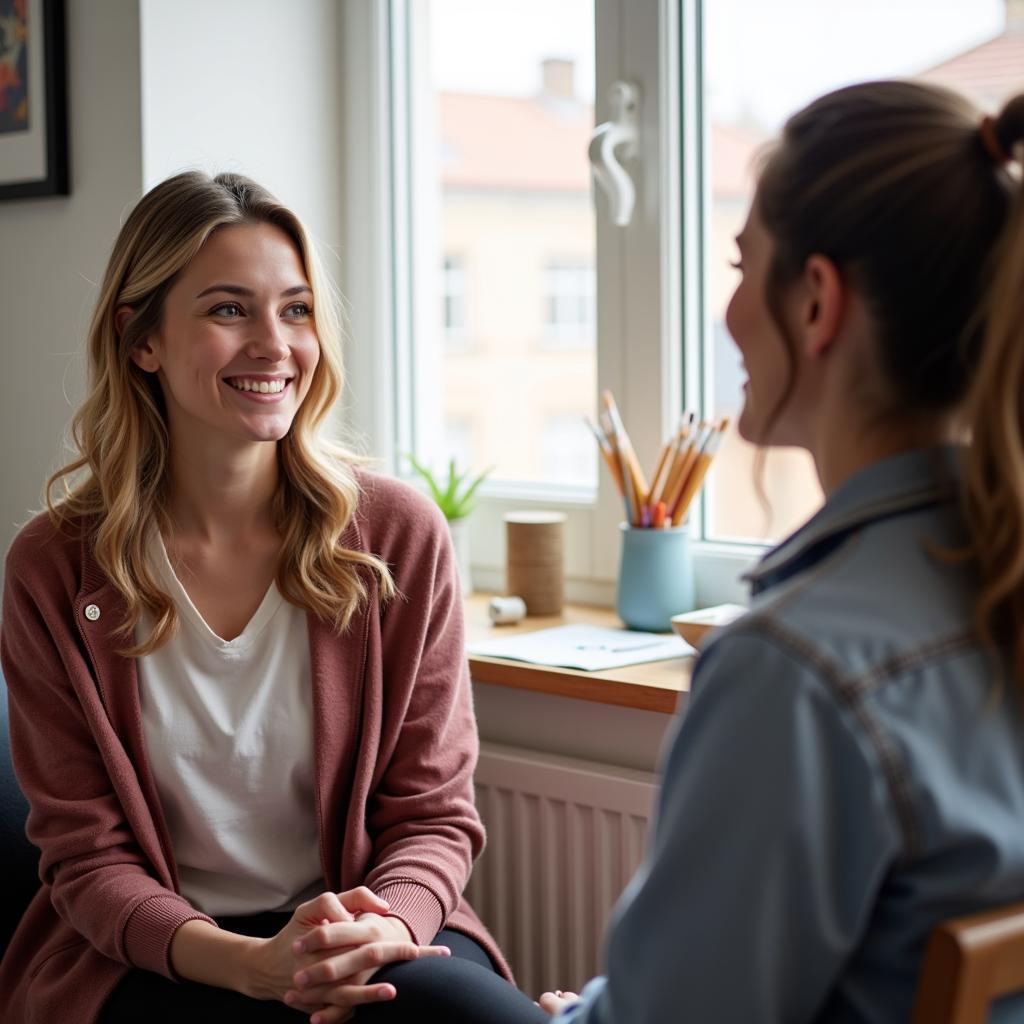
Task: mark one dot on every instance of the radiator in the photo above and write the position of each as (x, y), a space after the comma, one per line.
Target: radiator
(563, 838)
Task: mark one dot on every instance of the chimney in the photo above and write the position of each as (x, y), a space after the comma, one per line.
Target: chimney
(558, 78)
(1015, 15)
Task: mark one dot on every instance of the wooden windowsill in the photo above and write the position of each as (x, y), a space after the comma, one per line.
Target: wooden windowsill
(652, 686)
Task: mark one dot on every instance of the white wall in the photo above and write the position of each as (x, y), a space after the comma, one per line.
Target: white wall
(251, 86)
(53, 251)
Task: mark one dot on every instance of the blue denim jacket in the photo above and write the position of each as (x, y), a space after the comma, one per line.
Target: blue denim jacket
(846, 775)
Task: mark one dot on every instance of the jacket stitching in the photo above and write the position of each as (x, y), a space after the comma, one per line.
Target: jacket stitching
(892, 766)
(851, 697)
(872, 679)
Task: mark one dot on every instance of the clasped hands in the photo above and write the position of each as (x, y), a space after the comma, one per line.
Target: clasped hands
(321, 961)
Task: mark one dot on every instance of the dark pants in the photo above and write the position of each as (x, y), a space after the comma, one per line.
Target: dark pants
(462, 989)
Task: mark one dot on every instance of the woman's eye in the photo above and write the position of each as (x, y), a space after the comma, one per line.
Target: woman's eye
(298, 310)
(227, 309)
(736, 264)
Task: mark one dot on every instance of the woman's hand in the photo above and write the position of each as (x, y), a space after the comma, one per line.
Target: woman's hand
(339, 958)
(260, 968)
(273, 962)
(555, 1002)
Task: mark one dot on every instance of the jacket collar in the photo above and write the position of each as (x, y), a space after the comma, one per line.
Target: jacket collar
(893, 486)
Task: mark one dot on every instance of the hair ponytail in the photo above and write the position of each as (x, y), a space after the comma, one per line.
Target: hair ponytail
(994, 480)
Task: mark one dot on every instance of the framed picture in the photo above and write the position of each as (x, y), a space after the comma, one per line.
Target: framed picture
(33, 99)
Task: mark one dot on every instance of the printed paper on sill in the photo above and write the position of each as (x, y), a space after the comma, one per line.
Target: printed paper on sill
(590, 648)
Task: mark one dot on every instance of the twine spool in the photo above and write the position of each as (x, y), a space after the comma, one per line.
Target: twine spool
(535, 560)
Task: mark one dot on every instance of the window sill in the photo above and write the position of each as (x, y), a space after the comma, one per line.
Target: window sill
(653, 686)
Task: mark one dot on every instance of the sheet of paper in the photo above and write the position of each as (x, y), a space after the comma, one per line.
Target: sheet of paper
(590, 648)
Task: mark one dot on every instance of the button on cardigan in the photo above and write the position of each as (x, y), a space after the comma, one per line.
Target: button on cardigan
(395, 746)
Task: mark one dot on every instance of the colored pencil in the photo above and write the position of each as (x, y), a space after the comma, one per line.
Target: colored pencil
(698, 470)
(683, 463)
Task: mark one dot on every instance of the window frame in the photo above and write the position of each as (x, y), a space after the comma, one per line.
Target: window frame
(648, 274)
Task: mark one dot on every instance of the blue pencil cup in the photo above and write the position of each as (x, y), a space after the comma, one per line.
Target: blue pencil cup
(655, 577)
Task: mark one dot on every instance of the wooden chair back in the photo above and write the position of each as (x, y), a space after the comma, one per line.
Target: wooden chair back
(969, 962)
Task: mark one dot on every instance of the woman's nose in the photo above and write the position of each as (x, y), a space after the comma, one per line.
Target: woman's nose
(267, 340)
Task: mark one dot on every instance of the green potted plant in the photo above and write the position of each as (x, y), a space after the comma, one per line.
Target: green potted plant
(455, 496)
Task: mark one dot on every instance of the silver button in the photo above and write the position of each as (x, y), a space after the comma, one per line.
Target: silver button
(92, 612)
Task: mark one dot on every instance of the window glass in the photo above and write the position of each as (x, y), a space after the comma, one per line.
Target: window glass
(511, 87)
(567, 448)
(758, 71)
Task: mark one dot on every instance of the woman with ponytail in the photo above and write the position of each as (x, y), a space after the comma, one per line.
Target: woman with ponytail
(239, 701)
(850, 768)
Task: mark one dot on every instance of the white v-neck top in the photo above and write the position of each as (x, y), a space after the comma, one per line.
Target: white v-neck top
(229, 733)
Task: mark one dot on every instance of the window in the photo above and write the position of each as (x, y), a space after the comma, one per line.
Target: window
(467, 127)
(473, 148)
(511, 182)
(569, 320)
(453, 305)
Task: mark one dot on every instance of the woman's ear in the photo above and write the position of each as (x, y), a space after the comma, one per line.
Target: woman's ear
(142, 352)
(823, 305)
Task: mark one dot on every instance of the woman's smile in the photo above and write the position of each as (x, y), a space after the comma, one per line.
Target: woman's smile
(259, 388)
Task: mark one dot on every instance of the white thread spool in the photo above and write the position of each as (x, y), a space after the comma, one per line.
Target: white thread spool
(503, 610)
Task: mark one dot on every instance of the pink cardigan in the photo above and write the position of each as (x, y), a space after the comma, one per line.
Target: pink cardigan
(395, 747)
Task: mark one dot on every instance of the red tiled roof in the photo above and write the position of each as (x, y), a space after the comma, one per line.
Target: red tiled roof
(990, 73)
(508, 142)
(540, 144)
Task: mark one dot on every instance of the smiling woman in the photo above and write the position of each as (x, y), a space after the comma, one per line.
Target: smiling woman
(236, 357)
(249, 769)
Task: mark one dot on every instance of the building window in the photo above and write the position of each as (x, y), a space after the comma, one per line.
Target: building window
(453, 305)
(570, 319)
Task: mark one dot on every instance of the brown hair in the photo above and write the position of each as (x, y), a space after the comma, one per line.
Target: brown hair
(121, 435)
(896, 184)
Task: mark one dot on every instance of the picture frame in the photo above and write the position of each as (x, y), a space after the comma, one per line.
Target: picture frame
(33, 99)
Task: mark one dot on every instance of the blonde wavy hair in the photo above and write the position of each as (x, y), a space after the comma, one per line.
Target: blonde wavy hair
(918, 200)
(117, 484)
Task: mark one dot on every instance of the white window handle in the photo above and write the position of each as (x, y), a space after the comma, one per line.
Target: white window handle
(620, 133)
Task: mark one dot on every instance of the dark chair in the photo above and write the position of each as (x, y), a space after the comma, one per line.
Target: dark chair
(20, 857)
(969, 962)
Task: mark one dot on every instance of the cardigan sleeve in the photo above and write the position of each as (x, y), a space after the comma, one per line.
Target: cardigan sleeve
(421, 815)
(102, 884)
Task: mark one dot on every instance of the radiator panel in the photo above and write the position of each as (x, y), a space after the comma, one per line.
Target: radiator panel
(563, 839)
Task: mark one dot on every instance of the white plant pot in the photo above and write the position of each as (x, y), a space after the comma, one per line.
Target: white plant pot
(459, 529)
